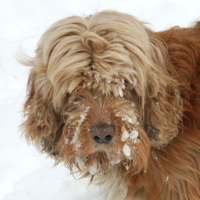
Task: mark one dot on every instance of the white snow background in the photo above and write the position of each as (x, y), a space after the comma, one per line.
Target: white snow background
(24, 173)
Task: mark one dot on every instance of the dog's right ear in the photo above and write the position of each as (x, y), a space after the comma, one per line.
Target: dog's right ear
(42, 122)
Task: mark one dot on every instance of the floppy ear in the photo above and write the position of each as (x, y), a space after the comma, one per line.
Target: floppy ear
(42, 125)
(163, 109)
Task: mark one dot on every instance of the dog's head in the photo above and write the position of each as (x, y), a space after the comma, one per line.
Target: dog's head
(99, 93)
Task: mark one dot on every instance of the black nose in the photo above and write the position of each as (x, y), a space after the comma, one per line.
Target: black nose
(102, 133)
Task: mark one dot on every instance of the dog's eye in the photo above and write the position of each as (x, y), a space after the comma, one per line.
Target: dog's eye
(126, 82)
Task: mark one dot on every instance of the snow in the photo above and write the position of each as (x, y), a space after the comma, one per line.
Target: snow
(66, 141)
(80, 161)
(134, 134)
(120, 91)
(113, 162)
(125, 134)
(135, 82)
(93, 169)
(25, 174)
(126, 117)
(126, 150)
(51, 184)
(108, 81)
(132, 104)
(76, 134)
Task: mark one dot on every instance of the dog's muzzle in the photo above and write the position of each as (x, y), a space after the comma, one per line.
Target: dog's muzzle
(102, 133)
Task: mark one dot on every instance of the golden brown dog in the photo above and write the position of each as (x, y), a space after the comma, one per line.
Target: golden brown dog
(121, 103)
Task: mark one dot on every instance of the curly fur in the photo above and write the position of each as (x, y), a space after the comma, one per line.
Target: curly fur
(111, 68)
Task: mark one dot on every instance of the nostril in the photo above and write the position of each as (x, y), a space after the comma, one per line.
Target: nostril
(102, 133)
(101, 140)
(108, 138)
(96, 138)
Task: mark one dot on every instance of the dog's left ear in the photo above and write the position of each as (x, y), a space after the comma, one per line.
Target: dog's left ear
(163, 108)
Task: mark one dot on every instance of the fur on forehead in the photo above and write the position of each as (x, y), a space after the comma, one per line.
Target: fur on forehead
(106, 52)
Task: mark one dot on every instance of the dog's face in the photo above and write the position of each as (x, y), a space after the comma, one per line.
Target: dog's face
(99, 93)
(102, 130)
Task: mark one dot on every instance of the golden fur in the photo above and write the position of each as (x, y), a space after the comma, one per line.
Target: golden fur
(110, 68)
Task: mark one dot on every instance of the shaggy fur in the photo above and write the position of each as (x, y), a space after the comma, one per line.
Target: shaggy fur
(109, 68)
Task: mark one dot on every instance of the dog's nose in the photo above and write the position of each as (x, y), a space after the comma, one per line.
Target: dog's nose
(102, 133)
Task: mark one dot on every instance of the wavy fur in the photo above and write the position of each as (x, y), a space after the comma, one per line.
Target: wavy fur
(111, 68)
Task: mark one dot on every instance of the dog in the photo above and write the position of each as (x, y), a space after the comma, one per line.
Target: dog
(120, 103)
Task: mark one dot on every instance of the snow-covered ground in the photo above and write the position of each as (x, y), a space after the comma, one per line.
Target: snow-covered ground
(24, 173)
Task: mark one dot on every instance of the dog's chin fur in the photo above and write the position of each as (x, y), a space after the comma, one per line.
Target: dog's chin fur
(109, 68)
